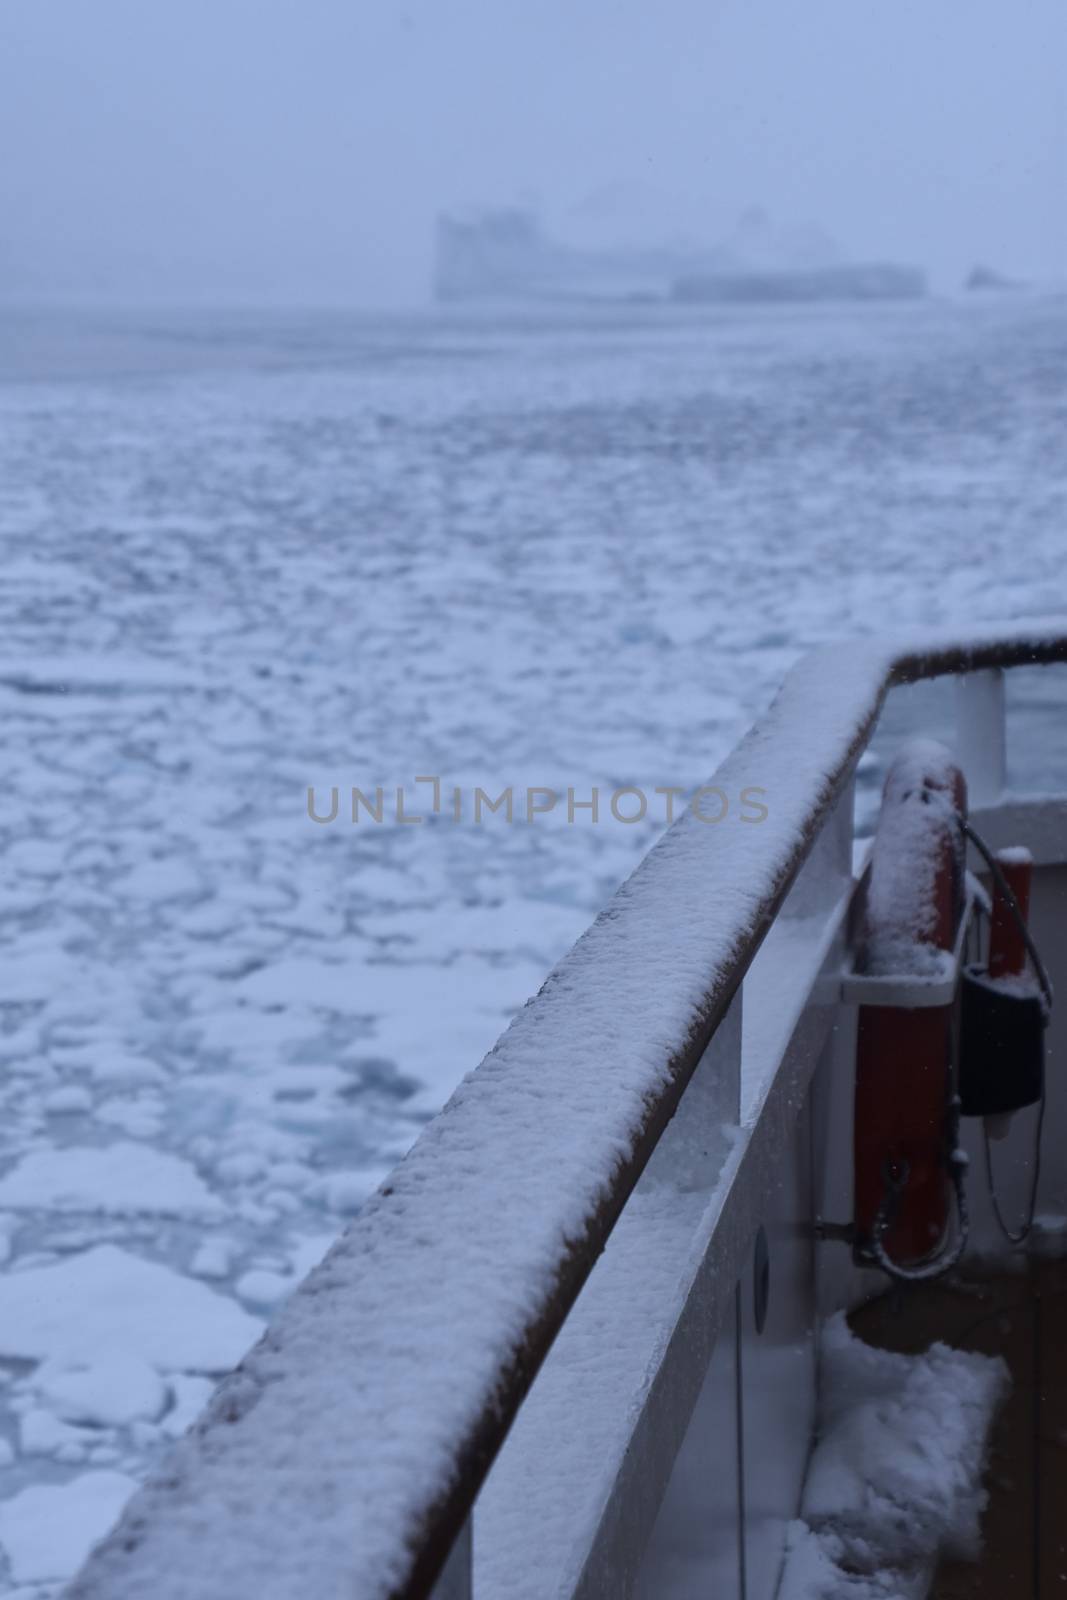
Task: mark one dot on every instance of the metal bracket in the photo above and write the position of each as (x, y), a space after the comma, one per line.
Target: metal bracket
(913, 991)
(842, 1232)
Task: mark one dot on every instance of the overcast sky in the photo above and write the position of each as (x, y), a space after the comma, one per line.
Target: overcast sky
(298, 150)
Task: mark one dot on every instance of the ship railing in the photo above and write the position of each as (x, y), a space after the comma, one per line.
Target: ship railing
(346, 1454)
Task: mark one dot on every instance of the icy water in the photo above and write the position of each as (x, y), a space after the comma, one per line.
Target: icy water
(245, 555)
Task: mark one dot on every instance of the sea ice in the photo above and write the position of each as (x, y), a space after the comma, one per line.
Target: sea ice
(106, 1301)
(118, 1179)
(49, 1529)
(191, 1395)
(263, 1288)
(110, 1391)
(212, 1259)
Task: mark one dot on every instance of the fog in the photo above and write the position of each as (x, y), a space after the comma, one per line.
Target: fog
(297, 151)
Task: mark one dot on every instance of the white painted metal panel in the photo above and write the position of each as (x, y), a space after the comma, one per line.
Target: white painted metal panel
(778, 1366)
(1039, 823)
(696, 1552)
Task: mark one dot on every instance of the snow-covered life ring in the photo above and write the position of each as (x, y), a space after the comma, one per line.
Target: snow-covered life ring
(904, 1139)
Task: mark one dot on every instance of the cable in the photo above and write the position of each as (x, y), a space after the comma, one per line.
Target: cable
(937, 798)
(1021, 1234)
(1013, 906)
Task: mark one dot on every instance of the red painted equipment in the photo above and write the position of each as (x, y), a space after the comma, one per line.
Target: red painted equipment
(904, 1117)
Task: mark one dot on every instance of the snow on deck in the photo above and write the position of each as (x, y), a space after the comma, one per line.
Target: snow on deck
(318, 1462)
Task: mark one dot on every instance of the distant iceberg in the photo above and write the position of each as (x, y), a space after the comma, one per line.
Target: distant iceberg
(869, 281)
(504, 254)
(981, 277)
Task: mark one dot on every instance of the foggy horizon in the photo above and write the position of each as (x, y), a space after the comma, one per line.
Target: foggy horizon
(298, 155)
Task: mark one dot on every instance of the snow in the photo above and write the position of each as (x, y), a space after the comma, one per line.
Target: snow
(191, 1394)
(263, 1288)
(815, 1570)
(1023, 985)
(574, 554)
(909, 845)
(105, 1300)
(110, 1391)
(117, 1179)
(48, 1531)
(213, 1259)
(1015, 855)
(72, 1098)
(41, 1433)
(896, 1476)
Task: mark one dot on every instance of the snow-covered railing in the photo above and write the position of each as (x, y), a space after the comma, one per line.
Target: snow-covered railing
(343, 1456)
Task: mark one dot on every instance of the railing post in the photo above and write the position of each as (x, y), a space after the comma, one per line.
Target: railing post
(455, 1581)
(827, 873)
(981, 734)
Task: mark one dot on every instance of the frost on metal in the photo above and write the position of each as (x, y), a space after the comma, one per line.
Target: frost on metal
(325, 1459)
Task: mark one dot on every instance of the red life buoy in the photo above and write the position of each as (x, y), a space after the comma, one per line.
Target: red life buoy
(904, 1123)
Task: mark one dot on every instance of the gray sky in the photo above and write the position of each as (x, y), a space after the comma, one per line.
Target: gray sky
(297, 150)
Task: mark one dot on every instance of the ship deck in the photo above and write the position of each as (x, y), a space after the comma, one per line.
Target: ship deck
(1021, 1316)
